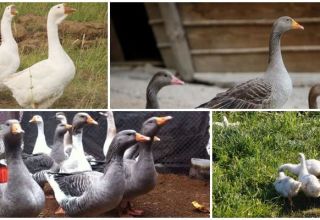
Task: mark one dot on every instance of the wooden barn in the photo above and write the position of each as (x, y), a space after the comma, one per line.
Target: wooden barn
(212, 37)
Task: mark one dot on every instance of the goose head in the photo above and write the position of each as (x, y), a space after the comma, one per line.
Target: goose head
(125, 139)
(36, 119)
(286, 23)
(12, 133)
(59, 12)
(62, 128)
(10, 11)
(81, 119)
(152, 125)
(164, 78)
(61, 117)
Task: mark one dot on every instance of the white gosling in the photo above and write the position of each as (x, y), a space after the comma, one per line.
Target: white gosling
(310, 184)
(287, 186)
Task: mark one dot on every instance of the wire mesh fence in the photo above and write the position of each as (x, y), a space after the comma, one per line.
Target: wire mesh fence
(184, 137)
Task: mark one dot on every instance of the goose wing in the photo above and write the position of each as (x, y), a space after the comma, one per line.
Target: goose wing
(37, 162)
(253, 94)
(75, 184)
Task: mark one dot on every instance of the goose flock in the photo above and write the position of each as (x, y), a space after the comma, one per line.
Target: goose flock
(82, 186)
(41, 84)
(307, 172)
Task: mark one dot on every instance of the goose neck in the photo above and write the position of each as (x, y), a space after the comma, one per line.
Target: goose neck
(275, 57)
(6, 30)
(13, 150)
(77, 141)
(145, 151)
(152, 99)
(54, 44)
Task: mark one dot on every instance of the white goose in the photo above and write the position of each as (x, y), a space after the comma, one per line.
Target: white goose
(111, 131)
(77, 161)
(40, 85)
(287, 186)
(9, 54)
(310, 183)
(313, 167)
(41, 144)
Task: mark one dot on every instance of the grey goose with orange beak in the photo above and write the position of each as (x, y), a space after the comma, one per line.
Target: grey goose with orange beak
(21, 196)
(158, 81)
(271, 90)
(141, 175)
(93, 193)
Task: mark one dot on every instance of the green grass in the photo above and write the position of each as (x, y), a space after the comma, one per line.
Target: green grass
(85, 11)
(89, 87)
(246, 159)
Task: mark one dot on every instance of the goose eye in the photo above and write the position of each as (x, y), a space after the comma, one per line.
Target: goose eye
(58, 6)
(8, 124)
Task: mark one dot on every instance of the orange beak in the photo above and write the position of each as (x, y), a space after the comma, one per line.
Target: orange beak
(14, 11)
(142, 138)
(68, 10)
(156, 139)
(91, 121)
(16, 129)
(68, 126)
(163, 120)
(33, 119)
(296, 25)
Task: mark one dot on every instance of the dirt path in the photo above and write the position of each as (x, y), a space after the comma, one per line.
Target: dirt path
(172, 197)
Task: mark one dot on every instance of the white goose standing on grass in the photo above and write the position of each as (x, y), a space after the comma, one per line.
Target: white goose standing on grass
(310, 183)
(287, 186)
(9, 53)
(40, 85)
(273, 89)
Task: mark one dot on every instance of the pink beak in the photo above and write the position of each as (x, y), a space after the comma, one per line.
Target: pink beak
(176, 81)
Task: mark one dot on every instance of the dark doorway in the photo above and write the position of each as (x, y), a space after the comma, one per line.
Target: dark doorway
(134, 33)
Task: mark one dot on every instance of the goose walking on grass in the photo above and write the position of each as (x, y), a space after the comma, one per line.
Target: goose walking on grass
(287, 186)
(9, 53)
(21, 196)
(93, 193)
(40, 85)
(271, 90)
(158, 81)
(310, 184)
(313, 167)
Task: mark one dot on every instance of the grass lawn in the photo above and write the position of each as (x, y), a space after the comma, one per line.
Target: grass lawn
(89, 87)
(246, 159)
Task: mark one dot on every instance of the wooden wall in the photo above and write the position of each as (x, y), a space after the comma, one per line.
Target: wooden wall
(233, 37)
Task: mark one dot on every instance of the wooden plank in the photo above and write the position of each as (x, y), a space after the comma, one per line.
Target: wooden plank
(221, 11)
(200, 52)
(303, 61)
(238, 22)
(177, 39)
(248, 36)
